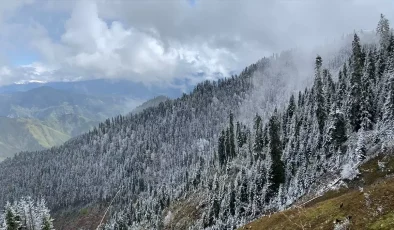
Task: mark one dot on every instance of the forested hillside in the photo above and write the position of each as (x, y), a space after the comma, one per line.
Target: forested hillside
(223, 155)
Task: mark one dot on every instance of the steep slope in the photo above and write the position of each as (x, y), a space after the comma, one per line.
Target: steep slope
(200, 156)
(364, 203)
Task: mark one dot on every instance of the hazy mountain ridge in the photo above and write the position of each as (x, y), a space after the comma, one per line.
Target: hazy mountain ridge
(150, 103)
(100, 87)
(47, 117)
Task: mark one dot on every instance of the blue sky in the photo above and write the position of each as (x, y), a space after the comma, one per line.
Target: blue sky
(162, 42)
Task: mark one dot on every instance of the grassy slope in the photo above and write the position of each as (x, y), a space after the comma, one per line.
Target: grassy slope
(369, 208)
(45, 117)
(87, 217)
(45, 136)
(26, 134)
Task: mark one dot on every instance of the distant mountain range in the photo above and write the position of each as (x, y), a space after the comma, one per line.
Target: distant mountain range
(103, 87)
(46, 114)
(20, 134)
(43, 116)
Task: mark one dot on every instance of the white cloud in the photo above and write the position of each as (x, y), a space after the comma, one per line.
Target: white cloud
(157, 42)
(91, 46)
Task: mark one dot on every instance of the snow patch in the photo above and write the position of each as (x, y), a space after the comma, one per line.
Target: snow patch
(349, 171)
(343, 225)
(168, 218)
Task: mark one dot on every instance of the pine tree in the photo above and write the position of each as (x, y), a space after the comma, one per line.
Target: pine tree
(329, 92)
(367, 105)
(388, 110)
(241, 135)
(10, 219)
(277, 169)
(337, 130)
(291, 107)
(222, 150)
(228, 145)
(243, 188)
(341, 89)
(232, 201)
(354, 100)
(47, 224)
(214, 211)
(238, 134)
(258, 142)
(320, 107)
(383, 31)
(232, 136)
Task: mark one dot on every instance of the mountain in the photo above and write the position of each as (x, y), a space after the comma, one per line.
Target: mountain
(150, 103)
(228, 152)
(102, 87)
(26, 134)
(46, 117)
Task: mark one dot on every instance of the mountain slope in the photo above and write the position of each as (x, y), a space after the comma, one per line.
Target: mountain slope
(26, 134)
(365, 203)
(202, 155)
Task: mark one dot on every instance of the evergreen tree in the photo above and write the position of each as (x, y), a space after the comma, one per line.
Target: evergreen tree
(238, 134)
(222, 150)
(383, 31)
(291, 107)
(367, 101)
(329, 91)
(354, 100)
(232, 136)
(341, 89)
(388, 111)
(258, 141)
(320, 106)
(10, 219)
(337, 130)
(47, 224)
(232, 202)
(277, 169)
(228, 145)
(214, 211)
(241, 135)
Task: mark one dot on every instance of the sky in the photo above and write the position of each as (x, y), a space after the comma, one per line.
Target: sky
(162, 42)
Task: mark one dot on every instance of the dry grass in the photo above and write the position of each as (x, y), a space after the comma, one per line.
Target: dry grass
(370, 208)
(86, 218)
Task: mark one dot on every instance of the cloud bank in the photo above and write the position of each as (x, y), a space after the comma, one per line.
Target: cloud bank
(160, 42)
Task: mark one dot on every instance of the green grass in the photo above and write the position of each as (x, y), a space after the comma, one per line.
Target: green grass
(45, 136)
(384, 222)
(27, 134)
